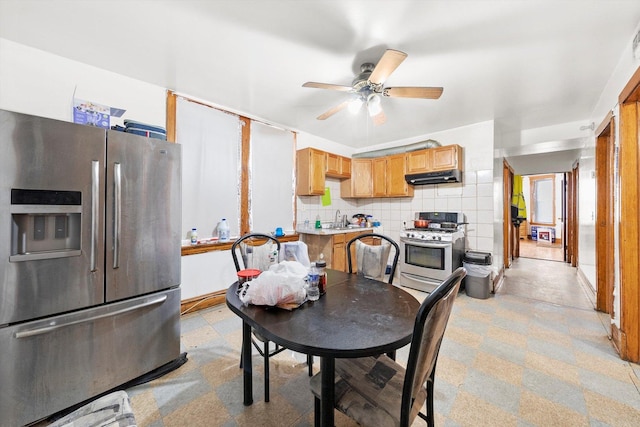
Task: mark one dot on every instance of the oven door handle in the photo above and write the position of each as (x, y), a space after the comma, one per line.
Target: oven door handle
(430, 244)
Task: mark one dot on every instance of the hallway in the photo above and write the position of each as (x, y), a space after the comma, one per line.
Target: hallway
(548, 281)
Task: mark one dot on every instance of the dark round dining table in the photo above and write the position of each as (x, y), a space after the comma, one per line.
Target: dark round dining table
(356, 317)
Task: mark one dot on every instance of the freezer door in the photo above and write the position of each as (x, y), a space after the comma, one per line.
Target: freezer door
(143, 215)
(54, 363)
(51, 216)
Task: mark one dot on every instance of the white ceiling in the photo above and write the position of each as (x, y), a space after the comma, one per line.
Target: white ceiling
(525, 64)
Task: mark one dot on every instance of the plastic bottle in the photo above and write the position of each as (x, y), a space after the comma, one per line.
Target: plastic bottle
(313, 291)
(321, 265)
(223, 231)
(194, 236)
(318, 222)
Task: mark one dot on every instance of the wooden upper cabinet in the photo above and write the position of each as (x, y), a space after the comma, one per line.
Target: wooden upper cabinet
(396, 170)
(338, 166)
(418, 161)
(379, 176)
(446, 157)
(360, 182)
(310, 170)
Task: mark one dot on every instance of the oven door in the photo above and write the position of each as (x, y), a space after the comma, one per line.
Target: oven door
(424, 265)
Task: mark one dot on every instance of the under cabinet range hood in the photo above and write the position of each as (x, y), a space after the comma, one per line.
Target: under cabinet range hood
(439, 177)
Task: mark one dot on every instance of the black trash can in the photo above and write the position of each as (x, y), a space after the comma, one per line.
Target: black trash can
(477, 282)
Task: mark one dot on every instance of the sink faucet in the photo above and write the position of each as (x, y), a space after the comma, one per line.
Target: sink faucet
(336, 222)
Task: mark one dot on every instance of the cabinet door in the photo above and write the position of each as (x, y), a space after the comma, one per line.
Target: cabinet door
(360, 184)
(310, 170)
(379, 176)
(338, 166)
(345, 167)
(396, 169)
(333, 164)
(339, 257)
(445, 158)
(419, 161)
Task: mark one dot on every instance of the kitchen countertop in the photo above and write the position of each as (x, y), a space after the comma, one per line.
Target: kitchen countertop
(332, 231)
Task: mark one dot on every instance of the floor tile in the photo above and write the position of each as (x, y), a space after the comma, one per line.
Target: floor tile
(534, 354)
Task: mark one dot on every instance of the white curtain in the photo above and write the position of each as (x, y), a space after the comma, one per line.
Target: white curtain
(272, 190)
(211, 142)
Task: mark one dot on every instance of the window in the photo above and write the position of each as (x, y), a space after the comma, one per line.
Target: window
(272, 193)
(543, 206)
(210, 142)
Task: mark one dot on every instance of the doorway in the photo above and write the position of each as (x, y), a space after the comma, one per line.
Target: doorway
(542, 235)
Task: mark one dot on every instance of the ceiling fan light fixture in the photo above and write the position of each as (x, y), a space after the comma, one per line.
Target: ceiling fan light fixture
(374, 105)
(354, 105)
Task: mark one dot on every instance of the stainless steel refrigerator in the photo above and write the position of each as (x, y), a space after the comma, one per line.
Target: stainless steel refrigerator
(89, 262)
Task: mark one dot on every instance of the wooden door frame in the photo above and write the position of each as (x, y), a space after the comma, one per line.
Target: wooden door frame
(627, 337)
(507, 226)
(572, 217)
(605, 261)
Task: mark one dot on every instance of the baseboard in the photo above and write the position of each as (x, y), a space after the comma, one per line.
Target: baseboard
(618, 338)
(589, 291)
(203, 301)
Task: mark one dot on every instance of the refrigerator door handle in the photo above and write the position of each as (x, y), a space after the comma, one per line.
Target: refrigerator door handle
(117, 207)
(53, 326)
(95, 205)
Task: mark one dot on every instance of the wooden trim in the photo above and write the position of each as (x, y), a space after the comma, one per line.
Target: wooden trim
(619, 340)
(572, 238)
(605, 218)
(212, 247)
(171, 116)
(507, 225)
(630, 92)
(204, 301)
(603, 125)
(245, 226)
(629, 233)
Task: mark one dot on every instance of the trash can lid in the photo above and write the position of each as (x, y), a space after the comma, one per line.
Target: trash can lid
(473, 257)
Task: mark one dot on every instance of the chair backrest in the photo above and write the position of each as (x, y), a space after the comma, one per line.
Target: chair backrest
(431, 322)
(295, 251)
(256, 251)
(371, 261)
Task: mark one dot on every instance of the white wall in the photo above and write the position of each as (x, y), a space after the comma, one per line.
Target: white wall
(39, 83)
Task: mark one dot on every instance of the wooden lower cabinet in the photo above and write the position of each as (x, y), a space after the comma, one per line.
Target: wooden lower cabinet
(334, 248)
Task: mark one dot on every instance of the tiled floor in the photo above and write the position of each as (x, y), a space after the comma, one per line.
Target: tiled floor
(534, 354)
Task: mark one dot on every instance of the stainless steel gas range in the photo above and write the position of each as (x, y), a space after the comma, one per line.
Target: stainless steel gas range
(429, 255)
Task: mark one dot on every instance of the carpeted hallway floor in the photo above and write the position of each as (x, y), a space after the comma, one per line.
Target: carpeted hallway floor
(534, 354)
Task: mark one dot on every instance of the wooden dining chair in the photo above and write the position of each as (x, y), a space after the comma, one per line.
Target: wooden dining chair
(259, 251)
(377, 391)
(371, 260)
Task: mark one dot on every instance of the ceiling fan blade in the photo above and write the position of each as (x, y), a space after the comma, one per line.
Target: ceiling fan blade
(387, 65)
(333, 110)
(379, 119)
(413, 92)
(327, 86)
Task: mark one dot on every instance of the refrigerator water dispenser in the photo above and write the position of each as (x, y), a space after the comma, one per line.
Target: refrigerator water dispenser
(45, 224)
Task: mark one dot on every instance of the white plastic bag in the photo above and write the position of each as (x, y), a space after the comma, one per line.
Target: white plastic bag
(282, 285)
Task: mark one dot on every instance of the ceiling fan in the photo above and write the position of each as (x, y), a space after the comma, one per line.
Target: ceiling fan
(368, 87)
